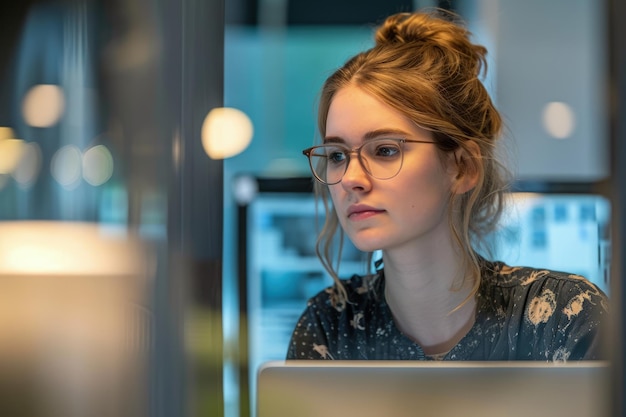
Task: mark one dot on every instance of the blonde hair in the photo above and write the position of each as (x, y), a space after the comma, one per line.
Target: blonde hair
(425, 66)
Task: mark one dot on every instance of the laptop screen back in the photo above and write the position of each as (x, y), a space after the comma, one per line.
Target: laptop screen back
(401, 389)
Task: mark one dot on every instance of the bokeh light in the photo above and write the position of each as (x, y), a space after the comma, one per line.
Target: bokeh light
(97, 165)
(11, 151)
(559, 120)
(226, 132)
(66, 166)
(245, 189)
(29, 166)
(43, 105)
(6, 133)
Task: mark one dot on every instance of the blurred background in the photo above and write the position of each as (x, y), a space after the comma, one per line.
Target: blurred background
(157, 224)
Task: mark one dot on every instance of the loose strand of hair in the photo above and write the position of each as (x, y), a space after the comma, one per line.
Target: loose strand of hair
(324, 246)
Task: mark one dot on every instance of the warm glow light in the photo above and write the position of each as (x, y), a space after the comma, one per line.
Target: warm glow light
(65, 249)
(6, 133)
(559, 120)
(43, 105)
(66, 166)
(11, 151)
(72, 316)
(97, 165)
(226, 132)
(29, 166)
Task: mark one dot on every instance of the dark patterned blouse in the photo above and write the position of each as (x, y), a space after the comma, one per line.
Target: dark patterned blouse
(521, 314)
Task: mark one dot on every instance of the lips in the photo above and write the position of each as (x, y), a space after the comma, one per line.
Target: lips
(362, 211)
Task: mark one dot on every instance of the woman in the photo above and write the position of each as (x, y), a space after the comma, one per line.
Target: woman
(408, 161)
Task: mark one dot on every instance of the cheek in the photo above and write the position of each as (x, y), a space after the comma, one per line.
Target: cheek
(429, 176)
(425, 190)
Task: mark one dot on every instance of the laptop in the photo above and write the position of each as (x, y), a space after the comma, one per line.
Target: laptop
(441, 389)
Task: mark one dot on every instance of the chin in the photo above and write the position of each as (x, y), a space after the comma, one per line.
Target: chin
(365, 245)
(368, 240)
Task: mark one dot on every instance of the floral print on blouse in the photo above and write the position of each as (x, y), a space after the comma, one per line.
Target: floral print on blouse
(521, 314)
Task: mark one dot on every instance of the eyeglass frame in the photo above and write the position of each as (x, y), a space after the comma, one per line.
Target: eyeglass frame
(308, 151)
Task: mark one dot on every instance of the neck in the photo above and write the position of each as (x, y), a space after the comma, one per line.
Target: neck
(430, 298)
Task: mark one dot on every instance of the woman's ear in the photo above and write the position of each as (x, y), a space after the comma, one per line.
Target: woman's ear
(467, 167)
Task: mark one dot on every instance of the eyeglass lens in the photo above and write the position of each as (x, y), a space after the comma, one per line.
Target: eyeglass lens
(381, 158)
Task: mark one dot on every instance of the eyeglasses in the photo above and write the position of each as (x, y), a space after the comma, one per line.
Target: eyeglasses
(381, 158)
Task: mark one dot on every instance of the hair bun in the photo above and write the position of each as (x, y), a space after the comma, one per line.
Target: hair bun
(439, 29)
(419, 27)
(398, 29)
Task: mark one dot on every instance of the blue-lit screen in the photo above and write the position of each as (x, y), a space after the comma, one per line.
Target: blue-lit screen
(554, 231)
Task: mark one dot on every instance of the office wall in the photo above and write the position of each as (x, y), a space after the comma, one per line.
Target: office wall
(547, 52)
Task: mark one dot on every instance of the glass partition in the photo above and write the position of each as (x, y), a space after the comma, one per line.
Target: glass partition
(110, 209)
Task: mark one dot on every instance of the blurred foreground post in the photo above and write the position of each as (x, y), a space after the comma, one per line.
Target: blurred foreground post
(73, 321)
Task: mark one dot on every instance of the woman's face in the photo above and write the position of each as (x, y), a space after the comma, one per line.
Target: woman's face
(406, 211)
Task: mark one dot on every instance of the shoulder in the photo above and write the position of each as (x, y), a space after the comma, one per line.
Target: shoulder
(544, 314)
(360, 290)
(503, 275)
(332, 326)
(544, 289)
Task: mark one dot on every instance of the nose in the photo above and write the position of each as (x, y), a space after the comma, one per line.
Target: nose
(356, 178)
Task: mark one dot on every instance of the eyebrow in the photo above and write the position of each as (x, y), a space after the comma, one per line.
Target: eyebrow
(373, 134)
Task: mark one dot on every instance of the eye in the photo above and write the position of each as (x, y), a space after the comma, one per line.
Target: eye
(385, 150)
(335, 155)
